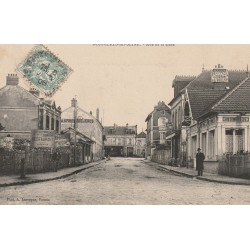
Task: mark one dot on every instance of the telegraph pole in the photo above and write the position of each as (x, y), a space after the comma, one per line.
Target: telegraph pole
(75, 127)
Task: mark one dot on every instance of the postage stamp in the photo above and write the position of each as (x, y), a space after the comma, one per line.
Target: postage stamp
(44, 70)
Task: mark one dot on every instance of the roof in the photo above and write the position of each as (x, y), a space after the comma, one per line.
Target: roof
(77, 132)
(184, 79)
(203, 81)
(236, 100)
(141, 135)
(149, 116)
(16, 96)
(202, 94)
(201, 100)
(159, 106)
(118, 130)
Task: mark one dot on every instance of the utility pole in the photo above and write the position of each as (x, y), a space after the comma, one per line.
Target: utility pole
(75, 128)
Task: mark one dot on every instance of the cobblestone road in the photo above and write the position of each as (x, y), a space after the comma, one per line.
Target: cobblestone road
(126, 181)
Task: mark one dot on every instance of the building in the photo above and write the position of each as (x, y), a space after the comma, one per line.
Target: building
(88, 125)
(214, 115)
(22, 111)
(120, 140)
(157, 122)
(140, 144)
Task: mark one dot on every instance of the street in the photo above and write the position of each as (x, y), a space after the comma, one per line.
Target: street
(126, 181)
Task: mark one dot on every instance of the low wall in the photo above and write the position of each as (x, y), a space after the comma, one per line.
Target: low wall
(161, 156)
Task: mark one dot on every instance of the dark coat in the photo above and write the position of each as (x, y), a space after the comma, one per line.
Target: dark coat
(199, 161)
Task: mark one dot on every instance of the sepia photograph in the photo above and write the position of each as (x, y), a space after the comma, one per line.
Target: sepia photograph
(124, 124)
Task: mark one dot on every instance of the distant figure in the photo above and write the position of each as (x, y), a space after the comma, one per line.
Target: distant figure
(22, 170)
(200, 157)
(56, 158)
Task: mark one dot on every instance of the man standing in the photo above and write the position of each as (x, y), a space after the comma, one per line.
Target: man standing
(56, 158)
(199, 162)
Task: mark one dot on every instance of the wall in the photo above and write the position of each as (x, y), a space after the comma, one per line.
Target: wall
(161, 156)
(19, 119)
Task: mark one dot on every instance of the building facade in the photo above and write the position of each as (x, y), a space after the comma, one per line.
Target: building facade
(140, 144)
(88, 125)
(214, 116)
(120, 140)
(22, 111)
(157, 122)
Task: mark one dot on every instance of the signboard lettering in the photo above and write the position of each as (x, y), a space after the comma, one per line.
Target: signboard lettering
(43, 138)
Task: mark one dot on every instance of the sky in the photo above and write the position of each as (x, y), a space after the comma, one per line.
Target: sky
(125, 82)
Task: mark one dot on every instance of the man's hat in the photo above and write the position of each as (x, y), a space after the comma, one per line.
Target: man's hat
(198, 149)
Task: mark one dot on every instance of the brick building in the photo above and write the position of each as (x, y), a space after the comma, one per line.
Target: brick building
(120, 140)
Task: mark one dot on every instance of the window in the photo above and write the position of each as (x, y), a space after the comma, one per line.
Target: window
(234, 140)
(179, 112)
(211, 143)
(204, 143)
(47, 122)
(239, 140)
(229, 141)
(52, 123)
(162, 121)
(129, 141)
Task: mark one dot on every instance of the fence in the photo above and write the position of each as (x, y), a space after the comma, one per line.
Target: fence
(37, 161)
(235, 166)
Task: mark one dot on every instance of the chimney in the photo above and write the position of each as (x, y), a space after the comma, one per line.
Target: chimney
(34, 91)
(12, 79)
(73, 103)
(97, 113)
(90, 112)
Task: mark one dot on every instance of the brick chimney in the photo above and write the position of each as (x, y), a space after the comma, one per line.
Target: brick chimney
(97, 114)
(12, 79)
(73, 103)
(34, 91)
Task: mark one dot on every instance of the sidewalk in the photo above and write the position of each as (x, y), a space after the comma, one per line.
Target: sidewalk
(191, 173)
(14, 180)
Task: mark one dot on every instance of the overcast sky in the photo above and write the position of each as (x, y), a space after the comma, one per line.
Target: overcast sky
(125, 82)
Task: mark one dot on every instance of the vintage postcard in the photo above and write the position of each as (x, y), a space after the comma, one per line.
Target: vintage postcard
(124, 124)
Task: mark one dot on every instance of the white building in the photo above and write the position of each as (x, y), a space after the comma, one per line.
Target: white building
(213, 113)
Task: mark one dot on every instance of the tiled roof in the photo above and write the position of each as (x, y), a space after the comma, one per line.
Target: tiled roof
(238, 99)
(16, 96)
(118, 130)
(203, 81)
(201, 100)
(141, 135)
(202, 94)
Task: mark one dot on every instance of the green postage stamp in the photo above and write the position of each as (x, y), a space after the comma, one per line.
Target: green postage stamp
(44, 70)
